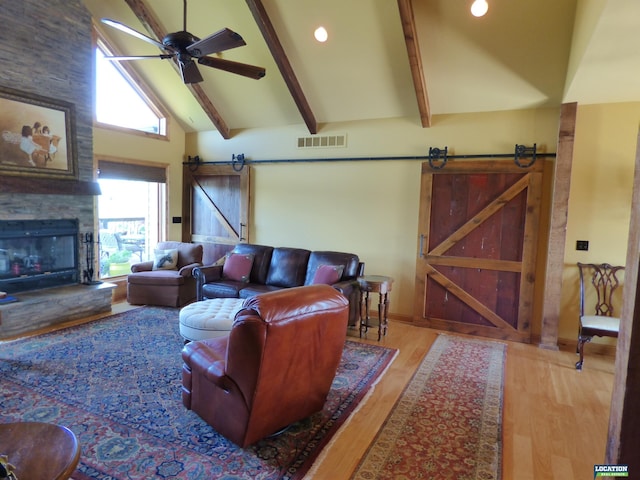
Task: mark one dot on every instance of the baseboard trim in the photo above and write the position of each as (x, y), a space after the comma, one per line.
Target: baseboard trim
(564, 344)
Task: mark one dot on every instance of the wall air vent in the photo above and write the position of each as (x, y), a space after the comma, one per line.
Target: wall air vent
(323, 141)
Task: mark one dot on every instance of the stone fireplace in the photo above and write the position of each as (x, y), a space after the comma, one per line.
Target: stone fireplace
(40, 265)
(65, 76)
(37, 254)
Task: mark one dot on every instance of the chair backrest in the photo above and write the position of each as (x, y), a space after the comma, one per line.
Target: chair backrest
(605, 280)
(348, 261)
(188, 253)
(283, 352)
(110, 241)
(288, 267)
(261, 260)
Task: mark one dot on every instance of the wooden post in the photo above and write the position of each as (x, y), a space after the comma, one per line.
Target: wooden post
(624, 417)
(558, 227)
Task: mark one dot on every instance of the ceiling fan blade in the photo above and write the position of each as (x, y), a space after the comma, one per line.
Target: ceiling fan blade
(138, 57)
(123, 28)
(243, 69)
(190, 72)
(221, 40)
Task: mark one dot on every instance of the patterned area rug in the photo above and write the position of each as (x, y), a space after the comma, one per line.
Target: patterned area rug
(447, 423)
(116, 383)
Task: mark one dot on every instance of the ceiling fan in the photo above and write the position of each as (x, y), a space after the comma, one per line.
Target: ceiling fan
(185, 47)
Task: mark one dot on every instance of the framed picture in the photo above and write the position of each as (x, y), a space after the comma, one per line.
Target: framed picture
(37, 136)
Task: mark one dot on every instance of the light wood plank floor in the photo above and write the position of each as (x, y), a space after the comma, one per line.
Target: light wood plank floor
(555, 418)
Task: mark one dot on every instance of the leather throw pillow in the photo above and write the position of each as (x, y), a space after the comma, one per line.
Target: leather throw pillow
(328, 274)
(237, 267)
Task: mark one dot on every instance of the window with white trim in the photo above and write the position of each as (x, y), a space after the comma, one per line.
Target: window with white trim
(131, 213)
(120, 100)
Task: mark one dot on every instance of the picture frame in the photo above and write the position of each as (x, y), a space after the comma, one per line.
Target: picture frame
(37, 136)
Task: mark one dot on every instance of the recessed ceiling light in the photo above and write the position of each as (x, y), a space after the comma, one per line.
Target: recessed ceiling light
(321, 34)
(479, 8)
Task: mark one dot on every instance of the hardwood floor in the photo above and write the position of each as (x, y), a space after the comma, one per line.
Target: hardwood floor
(555, 418)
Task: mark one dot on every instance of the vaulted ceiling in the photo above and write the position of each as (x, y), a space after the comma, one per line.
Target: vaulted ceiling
(407, 58)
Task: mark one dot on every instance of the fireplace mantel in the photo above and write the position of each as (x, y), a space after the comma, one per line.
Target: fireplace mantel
(47, 186)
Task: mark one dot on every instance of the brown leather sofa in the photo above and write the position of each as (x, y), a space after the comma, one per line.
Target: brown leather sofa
(274, 368)
(275, 268)
(165, 287)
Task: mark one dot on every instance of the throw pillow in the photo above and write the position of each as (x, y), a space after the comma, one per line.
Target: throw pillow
(237, 267)
(328, 274)
(165, 259)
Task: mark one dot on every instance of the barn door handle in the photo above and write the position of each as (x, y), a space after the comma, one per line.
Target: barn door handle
(242, 225)
(421, 243)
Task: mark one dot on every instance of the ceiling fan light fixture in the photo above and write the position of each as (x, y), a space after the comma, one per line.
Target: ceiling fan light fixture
(186, 49)
(321, 34)
(479, 8)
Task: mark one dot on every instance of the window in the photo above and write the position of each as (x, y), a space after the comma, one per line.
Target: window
(120, 100)
(131, 214)
(132, 206)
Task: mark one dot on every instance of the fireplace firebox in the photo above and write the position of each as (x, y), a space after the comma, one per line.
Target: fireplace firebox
(37, 254)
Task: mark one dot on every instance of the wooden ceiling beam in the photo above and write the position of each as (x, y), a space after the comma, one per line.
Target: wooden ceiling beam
(152, 25)
(415, 60)
(268, 32)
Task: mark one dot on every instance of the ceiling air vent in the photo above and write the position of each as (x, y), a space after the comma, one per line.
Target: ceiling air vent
(323, 141)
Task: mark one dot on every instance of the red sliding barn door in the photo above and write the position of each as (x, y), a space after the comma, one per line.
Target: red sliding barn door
(478, 229)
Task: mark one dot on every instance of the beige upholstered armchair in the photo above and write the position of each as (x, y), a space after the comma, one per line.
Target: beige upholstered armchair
(167, 280)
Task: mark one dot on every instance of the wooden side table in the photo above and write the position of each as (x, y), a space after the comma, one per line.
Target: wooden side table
(40, 451)
(372, 284)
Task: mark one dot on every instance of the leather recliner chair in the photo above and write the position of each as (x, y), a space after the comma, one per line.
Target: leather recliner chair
(274, 368)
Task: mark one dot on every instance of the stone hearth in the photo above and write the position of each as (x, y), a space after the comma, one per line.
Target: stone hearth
(48, 307)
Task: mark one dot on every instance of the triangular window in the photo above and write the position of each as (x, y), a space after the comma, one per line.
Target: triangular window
(120, 100)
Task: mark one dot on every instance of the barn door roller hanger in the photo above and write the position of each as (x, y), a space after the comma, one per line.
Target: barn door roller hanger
(523, 156)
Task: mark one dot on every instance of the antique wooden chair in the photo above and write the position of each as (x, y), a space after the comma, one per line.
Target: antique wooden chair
(598, 282)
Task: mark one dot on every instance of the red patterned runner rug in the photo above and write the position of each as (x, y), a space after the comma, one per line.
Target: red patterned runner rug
(447, 424)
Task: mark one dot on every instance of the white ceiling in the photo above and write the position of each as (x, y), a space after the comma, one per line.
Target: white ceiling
(519, 55)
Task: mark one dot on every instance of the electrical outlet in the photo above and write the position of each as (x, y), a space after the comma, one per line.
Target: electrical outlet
(582, 245)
